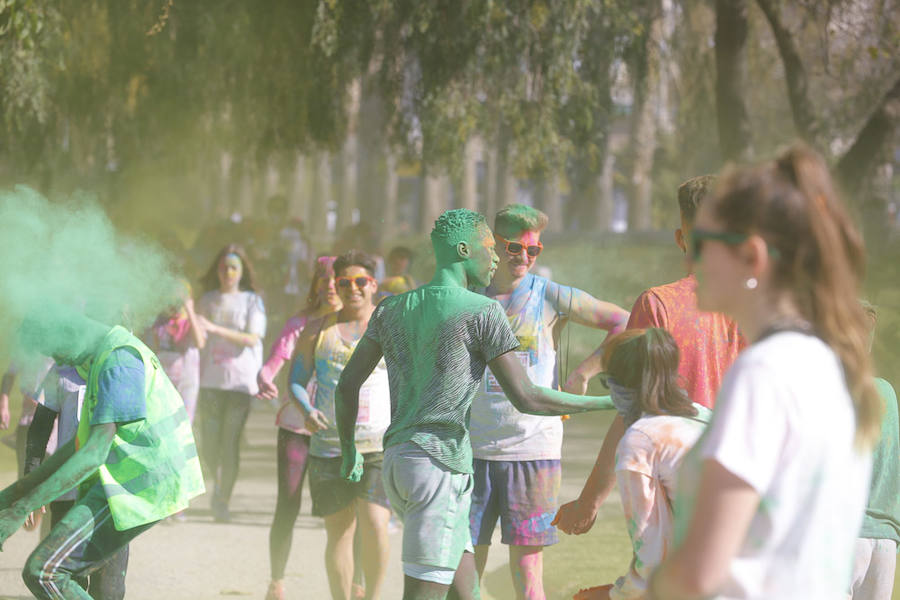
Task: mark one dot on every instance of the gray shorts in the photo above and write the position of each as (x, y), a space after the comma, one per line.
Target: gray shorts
(433, 504)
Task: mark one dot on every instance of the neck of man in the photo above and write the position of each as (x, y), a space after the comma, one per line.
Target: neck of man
(450, 275)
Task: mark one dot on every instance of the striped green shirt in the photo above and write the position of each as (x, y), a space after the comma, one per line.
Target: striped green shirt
(437, 342)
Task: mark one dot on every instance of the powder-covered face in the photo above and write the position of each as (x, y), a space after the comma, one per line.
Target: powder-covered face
(327, 291)
(519, 264)
(483, 259)
(230, 272)
(354, 296)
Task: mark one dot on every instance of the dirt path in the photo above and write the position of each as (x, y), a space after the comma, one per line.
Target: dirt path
(199, 559)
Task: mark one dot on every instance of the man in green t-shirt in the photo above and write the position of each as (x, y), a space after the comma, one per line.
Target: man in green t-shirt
(437, 341)
(133, 458)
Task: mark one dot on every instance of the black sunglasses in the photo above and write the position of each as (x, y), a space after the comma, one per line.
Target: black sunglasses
(732, 238)
(698, 236)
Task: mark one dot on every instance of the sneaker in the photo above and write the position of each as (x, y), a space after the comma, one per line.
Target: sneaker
(220, 513)
(276, 590)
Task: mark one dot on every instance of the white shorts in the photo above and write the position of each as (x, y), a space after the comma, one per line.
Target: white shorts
(433, 504)
(873, 569)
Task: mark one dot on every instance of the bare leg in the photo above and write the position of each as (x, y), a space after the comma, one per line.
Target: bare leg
(466, 580)
(373, 528)
(416, 589)
(526, 564)
(339, 527)
(481, 556)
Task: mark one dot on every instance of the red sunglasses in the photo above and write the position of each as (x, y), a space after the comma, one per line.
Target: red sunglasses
(360, 281)
(516, 248)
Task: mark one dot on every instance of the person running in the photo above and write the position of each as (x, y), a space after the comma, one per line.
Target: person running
(293, 437)
(234, 319)
(62, 395)
(771, 498)
(875, 559)
(133, 456)
(517, 456)
(177, 338)
(662, 424)
(708, 344)
(437, 341)
(323, 350)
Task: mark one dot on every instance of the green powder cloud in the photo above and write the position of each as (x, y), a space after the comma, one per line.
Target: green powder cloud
(68, 255)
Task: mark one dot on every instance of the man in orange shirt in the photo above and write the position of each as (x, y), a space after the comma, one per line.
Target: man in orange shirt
(707, 342)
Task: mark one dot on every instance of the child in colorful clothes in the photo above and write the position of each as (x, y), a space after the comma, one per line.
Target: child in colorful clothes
(63, 392)
(234, 319)
(293, 437)
(876, 547)
(177, 338)
(133, 456)
(771, 498)
(517, 456)
(323, 350)
(661, 426)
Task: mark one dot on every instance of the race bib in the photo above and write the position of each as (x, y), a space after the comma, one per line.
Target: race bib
(491, 385)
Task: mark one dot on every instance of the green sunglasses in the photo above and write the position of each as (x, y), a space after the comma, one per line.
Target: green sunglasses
(732, 238)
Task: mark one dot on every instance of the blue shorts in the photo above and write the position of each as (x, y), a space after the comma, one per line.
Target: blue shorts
(523, 495)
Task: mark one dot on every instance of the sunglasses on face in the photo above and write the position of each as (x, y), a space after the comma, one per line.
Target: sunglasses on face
(732, 238)
(360, 281)
(516, 248)
(698, 236)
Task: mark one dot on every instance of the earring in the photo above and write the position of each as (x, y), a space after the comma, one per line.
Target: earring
(751, 283)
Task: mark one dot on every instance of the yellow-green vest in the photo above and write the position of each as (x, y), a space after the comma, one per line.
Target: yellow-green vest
(152, 470)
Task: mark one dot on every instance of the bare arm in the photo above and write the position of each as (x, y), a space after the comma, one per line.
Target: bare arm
(536, 400)
(346, 402)
(6, 385)
(722, 514)
(578, 516)
(589, 311)
(197, 332)
(234, 336)
(65, 469)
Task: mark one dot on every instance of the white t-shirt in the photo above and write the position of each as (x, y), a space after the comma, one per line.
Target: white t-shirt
(64, 391)
(784, 423)
(647, 461)
(225, 365)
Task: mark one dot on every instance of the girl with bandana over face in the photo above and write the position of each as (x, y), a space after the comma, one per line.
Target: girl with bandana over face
(662, 425)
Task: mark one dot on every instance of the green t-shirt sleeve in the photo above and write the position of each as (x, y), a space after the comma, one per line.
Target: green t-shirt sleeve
(497, 336)
(373, 329)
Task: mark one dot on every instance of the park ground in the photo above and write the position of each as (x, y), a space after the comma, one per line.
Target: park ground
(201, 560)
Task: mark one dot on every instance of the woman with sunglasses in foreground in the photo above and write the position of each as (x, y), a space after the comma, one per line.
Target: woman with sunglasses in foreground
(771, 497)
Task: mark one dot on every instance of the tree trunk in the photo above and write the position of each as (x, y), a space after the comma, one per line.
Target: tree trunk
(735, 140)
(874, 138)
(469, 188)
(320, 201)
(551, 202)
(802, 109)
(605, 194)
(433, 199)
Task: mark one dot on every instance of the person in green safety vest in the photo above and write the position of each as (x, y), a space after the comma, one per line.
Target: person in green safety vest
(133, 458)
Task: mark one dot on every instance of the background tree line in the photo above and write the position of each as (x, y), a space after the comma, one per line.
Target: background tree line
(393, 110)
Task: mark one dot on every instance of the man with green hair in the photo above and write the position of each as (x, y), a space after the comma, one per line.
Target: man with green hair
(517, 456)
(437, 341)
(133, 456)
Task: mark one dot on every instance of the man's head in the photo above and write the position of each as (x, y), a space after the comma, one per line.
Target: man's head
(60, 332)
(518, 228)
(462, 236)
(354, 274)
(690, 194)
(398, 260)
